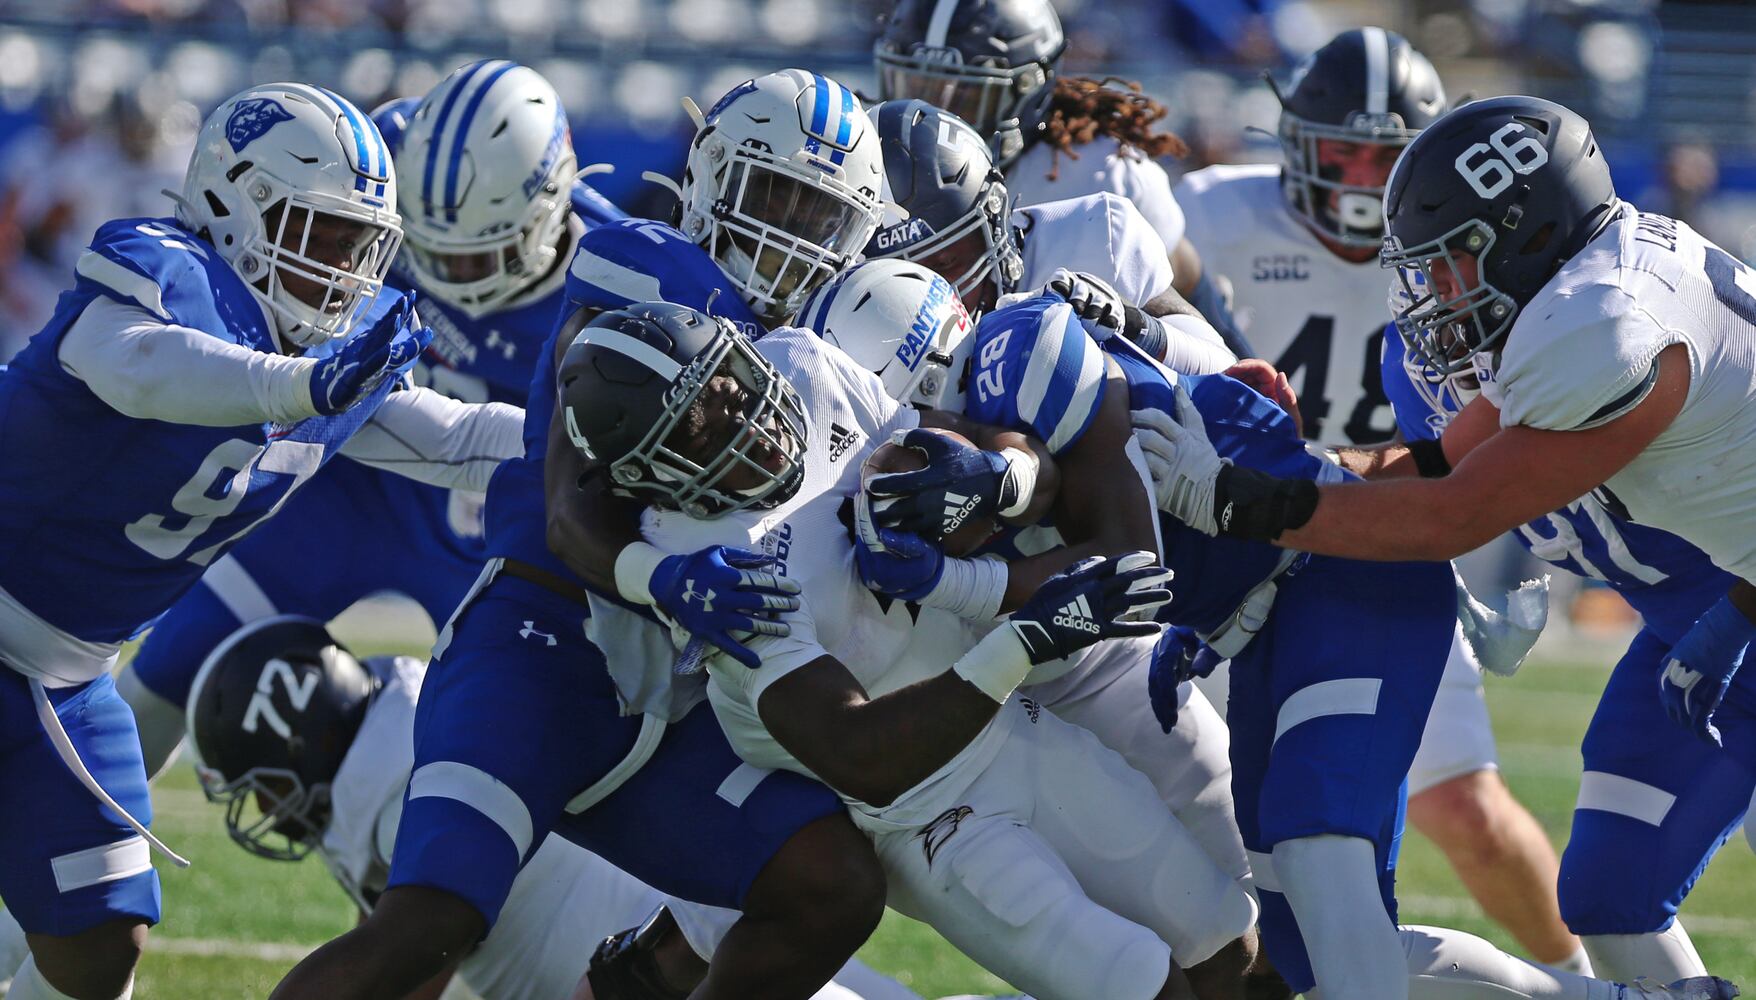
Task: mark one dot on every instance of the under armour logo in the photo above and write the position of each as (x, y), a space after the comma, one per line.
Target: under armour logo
(690, 593)
(530, 629)
(1076, 614)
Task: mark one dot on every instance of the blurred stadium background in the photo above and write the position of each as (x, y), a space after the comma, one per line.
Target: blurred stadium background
(100, 100)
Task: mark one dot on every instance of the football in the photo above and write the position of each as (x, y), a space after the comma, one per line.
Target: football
(890, 457)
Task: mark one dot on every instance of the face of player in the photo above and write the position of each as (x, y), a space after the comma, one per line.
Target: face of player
(720, 422)
(1354, 164)
(958, 260)
(342, 244)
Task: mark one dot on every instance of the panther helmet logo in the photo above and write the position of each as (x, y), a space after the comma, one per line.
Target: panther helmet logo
(252, 119)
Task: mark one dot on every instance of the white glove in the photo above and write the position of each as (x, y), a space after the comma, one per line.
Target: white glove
(1502, 641)
(1182, 462)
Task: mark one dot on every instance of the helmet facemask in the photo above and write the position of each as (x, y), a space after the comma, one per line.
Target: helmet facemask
(1357, 218)
(690, 463)
(269, 811)
(482, 273)
(315, 261)
(1444, 332)
(985, 96)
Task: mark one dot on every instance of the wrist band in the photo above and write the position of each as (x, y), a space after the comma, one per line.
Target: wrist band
(1021, 469)
(997, 664)
(635, 565)
(970, 588)
(1430, 460)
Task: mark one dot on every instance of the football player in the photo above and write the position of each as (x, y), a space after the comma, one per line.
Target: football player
(995, 64)
(952, 214)
(309, 750)
(1299, 242)
(967, 790)
(1321, 731)
(1655, 803)
(640, 775)
(486, 151)
(1608, 343)
(199, 371)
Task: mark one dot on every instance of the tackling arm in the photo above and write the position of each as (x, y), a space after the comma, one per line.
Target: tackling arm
(438, 440)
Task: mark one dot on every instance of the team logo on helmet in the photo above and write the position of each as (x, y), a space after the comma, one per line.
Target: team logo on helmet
(252, 119)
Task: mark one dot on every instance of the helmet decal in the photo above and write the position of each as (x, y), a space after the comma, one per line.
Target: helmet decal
(252, 119)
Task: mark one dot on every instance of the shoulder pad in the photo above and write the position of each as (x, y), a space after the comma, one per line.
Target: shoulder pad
(1572, 372)
(592, 207)
(639, 260)
(144, 262)
(1037, 367)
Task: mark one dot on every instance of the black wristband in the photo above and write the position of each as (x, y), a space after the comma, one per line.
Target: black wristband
(1257, 506)
(1429, 456)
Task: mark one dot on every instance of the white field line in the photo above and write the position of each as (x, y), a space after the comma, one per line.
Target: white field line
(1455, 907)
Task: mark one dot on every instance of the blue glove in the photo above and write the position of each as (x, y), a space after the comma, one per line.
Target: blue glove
(959, 483)
(1091, 600)
(1179, 656)
(382, 350)
(719, 591)
(1699, 668)
(906, 566)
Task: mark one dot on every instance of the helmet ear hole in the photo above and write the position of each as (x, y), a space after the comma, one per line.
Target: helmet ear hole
(1538, 240)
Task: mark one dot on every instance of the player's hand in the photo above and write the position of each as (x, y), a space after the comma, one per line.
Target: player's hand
(959, 483)
(720, 593)
(1699, 668)
(1265, 379)
(901, 565)
(380, 351)
(1092, 298)
(1182, 462)
(1179, 656)
(1091, 600)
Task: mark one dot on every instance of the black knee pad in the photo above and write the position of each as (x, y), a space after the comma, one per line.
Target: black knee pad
(624, 966)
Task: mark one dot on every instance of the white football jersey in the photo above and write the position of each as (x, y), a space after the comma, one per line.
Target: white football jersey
(1103, 165)
(848, 414)
(1319, 318)
(1581, 354)
(1101, 234)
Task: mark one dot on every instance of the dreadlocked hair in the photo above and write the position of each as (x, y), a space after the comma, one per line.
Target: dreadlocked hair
(1081, 109)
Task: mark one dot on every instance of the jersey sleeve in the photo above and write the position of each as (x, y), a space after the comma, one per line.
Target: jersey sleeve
(1142, 259)
(1146, 184)
(800, 350)
(638, 260)
(1569, 374)
(1037, 368)
(780, 656)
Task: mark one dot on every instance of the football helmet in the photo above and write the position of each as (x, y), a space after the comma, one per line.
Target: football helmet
(392, 117)
(272, 712)
(1368, 87)
(782, 186)
(904, 324)
(1481, 210)
(632, 385)
(484, 170)
(294, 187)
(953, 201)
(988, 62)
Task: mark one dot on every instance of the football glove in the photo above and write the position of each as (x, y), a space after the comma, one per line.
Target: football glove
(1179, 656)
(1699, 668)
(960, 482)
(720, 593)
(383, 350)
(1182, 462)
(1091, 600)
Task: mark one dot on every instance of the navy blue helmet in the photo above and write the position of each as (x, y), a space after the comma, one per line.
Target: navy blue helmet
(990, 62)
(1481, 210)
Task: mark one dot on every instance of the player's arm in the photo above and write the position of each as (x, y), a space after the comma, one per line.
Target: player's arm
(1400, 459)
(875, 749)
(1515, 475)
(435, 439)
(1041, 486)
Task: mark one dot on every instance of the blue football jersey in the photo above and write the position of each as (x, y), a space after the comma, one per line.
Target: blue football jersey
(1045, 374)
(489, 358)
(105, 520)
(617, 264)
(1667, 580)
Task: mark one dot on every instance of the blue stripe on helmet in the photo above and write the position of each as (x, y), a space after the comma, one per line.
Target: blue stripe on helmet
(820, 105)
(369, 156)
(846, 131)
(826, 298)
(462, 130)
(439, 131)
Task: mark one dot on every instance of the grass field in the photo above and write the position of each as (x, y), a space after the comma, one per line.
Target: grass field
(235, 923)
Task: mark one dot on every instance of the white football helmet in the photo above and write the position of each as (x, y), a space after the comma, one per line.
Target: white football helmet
(293, 185)
(782, 186)
(485, 170)
(902, 322)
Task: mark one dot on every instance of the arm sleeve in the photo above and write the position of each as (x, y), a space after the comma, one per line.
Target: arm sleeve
(1573, 377)
(1146, 184)
(1194, 347)
(426, 436)
(146, 368)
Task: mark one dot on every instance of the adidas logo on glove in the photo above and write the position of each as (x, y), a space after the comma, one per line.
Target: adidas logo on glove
(958, 508)
(1077, 615)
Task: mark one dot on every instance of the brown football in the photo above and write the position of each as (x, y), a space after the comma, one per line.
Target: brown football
(890, 457)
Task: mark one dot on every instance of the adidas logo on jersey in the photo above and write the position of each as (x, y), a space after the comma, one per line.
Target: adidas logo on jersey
(958, 508)
(1076, 614)
(840, 440)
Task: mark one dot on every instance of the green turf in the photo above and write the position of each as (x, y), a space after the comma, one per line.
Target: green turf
(238, 901)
